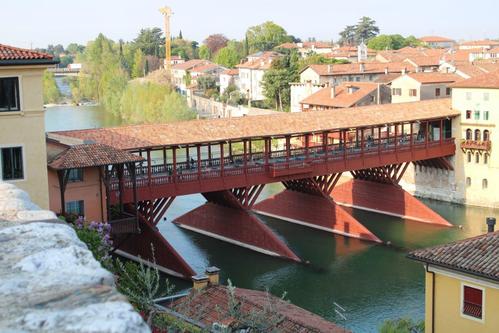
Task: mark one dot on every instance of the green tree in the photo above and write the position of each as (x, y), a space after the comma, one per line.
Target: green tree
(276, 81)
(75, 48)
(266, 36)
(204, 52)
(392, 42)
(151, 42)
(403, 325)
(51, 93)
(347, 36)
(215, 42)
(138, 64)
(227, 57)
(366, 29)
(412, 41)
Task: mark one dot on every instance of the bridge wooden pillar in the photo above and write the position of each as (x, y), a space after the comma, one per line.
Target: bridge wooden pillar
(198, 148)
(174, 161)
(307, 145)
(165, 160)
(245, 156)
(209, 154)
(149, 170)
(187, 157)
(288, 149)
(268, 149)
(222, 159)
(250, 150)
(230, 151)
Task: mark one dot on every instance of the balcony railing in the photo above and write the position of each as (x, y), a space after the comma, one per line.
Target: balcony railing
(124, 224)
(476, 145)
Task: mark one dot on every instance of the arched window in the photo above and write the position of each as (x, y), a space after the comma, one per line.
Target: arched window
(486, 135)
(469, 157)
(477, 158)
(469, 135)
(485, 158)
(485, 183)
(478, 135)
(468, 181)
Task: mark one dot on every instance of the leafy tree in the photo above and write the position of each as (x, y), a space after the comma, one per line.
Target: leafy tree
(51, 93)
(318, 59)
(206, 82)
(227, 57)
(412, 41)
(64, 61)
(185, 48)
(276, 80)
(138, 64)
(347, 36)
(392, 42)
(266, 36)
(403, 325)
(151, 42)
(215, 42)
(366, 29)
(204, 52)
(180, 35)
(75, 48)
(233, 96)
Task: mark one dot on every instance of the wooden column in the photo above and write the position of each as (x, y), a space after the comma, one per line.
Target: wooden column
(121, 184)
(427, 131)
(174, 160)
(187, 157)
(250, 150)
(288, 149)
(267, 150)
(209, 154)
(344, 132)
(230, 151)
(245, 157)
(441, 131)
(325, 143)
(198, 148)
(307, 144)
(221, 159)
(362, 142)
(379, 140)
(396, 137)
(165, 161)
(412, 134)
(149, 170)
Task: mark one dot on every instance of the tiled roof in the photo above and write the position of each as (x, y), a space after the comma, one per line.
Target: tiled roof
(10, 54)
(488, 81)
(231, 72)
(91, 155)
(213, 130)
(434, 77)
(424, 60)
(476, 256)
(486, 42)
(355, 68)
(306, 45)
(342, 99)
(190, 64)
(260, 61)
(387, 78)
(429, 39)
(205, 68)
(211, 306)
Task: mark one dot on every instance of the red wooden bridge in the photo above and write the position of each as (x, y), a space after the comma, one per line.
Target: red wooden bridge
(229, 161)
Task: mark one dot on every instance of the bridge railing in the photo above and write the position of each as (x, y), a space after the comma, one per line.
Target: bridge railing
(295, 158)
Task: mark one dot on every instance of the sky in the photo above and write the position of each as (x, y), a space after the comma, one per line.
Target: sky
(37, 23)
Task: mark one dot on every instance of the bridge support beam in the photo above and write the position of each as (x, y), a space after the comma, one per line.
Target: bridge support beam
(308, 202)
(378, 190)
(227, 217)
(140, 246)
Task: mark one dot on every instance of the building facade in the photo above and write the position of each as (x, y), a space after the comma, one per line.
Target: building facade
(23, 157)
(251, 74)
(415, 87)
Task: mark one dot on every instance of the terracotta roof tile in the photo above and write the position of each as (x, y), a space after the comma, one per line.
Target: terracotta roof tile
(476, 256)
(487, 80)
(260, 61)
(342, 99)
(213, 130)
(424, 60)
(429, 39)
(484, 42)
(434, 77)
(11, 54)
(91, 155)
(211, 305)
(231, 72)
(355, 68)
(190, 64)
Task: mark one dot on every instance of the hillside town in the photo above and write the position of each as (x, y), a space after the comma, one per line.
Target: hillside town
(263, 184)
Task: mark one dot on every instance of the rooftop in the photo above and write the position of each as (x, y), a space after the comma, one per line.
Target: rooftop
(279, 124)
(437, 39)
(476, 256)
(91, 155)
(343, 98)
(356, 68)
(487, 81)
(10, 55)
(261, 60)
(190, 64)
(211, 304)
(434, 77)
(486, 42)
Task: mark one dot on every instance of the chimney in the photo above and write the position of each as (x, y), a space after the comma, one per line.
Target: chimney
(329, 68)
(333, 91)
(362, 67)
(199, 282)
(386, 70)
(491, 222)
(213, 274)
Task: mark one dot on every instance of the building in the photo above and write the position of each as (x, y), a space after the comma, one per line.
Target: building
(424, 63)
(300, 91)
(181, 73)
(218, 308)
(207, 69)
(22, 136)
(346, 95)
(408, 52)
(228, 77)
(307, 48)
(477, 168)
(414, 87)
(484, 54)
(251, 74)
(462, 284)
(485, 44)
(351, 53)
(437, 42)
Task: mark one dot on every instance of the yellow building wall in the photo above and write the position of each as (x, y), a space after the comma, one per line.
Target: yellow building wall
(448, 317)
(27, 129)
(475, 194)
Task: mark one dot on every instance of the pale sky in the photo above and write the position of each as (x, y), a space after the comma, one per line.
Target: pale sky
(37, 23)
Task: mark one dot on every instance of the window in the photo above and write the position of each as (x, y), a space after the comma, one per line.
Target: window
(468, 114)
(413, 92)
(9, 94)
(397, 92)
(485, 183)
(472, 302)
(468, 181)
(485, 96)
(477, 115)
(478, 135)
(469, 134)
(75, 175)
(468, 96)
(485, 115)
(468, 155)
(437, 92)
(485, 158)
(12, 163)
(477, 158)
(448, 91)
(75, 207)
(486, 135)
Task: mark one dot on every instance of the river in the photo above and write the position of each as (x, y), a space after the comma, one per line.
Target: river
(371, 282)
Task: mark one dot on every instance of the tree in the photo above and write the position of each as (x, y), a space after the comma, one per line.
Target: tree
(74, 48)
(51, 93)
(347, 36)
(366, 29)
(150, 41)
(276, 80)
(403, 325)
(138, 64)
(392, 42)
(215, 42)
(227, 57)
(180, 35)
(266, 36)
(185, 48)
(412, 41)
(204, 52)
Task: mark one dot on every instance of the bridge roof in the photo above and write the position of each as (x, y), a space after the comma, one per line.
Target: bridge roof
(281, 124)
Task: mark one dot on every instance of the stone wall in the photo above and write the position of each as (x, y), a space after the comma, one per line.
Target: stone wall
(49, 280)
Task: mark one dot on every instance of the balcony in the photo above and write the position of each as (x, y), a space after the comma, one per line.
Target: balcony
(124, 223)
(476, 145)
